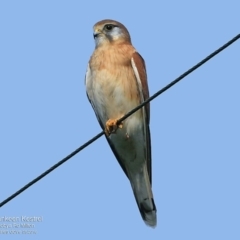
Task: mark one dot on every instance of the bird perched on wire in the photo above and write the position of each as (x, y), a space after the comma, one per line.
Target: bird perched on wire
(116, 82)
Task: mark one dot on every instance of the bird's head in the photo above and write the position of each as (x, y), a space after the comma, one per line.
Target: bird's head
(110, 32)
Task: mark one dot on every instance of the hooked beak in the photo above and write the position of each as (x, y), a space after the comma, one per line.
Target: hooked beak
(96, 33)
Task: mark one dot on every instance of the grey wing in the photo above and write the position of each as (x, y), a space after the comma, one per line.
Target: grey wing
(103, 127)
(108, 140)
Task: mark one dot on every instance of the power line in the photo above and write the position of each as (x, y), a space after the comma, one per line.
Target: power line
(180, 78)
(121, 119)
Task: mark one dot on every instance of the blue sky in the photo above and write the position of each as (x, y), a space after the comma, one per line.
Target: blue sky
(45, 115)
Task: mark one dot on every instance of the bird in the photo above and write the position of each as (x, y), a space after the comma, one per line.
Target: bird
(116, 82)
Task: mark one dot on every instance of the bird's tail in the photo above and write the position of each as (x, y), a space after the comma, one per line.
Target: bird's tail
(143, 194)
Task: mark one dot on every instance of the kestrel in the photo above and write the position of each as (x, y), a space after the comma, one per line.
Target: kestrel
(116, 82)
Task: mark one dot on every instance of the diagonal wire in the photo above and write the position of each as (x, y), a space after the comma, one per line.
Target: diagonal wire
(121, 119)
(179, 78)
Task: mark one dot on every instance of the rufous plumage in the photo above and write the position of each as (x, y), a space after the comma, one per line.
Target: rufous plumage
(116, 82)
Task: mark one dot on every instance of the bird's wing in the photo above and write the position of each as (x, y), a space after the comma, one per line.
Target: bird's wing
(139, 69)
(87, 83)
(103, 127)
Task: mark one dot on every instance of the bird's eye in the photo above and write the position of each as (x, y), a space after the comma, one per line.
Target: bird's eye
(109, 27)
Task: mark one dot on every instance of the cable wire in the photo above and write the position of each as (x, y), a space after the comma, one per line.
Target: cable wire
(121, 119)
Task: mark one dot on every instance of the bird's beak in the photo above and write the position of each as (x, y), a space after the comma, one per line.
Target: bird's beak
(96, 32)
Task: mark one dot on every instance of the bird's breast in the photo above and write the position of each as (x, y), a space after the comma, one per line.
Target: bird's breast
(112, 85)
(115, 91)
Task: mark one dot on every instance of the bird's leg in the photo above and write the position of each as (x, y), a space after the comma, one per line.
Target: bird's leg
(112, 126)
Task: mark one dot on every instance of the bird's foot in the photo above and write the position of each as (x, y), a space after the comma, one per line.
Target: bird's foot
(112, 126)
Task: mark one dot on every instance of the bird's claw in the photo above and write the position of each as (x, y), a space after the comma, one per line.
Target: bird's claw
(112, 126)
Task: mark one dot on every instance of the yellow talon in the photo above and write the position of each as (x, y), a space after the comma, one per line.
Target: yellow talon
(111, 126)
